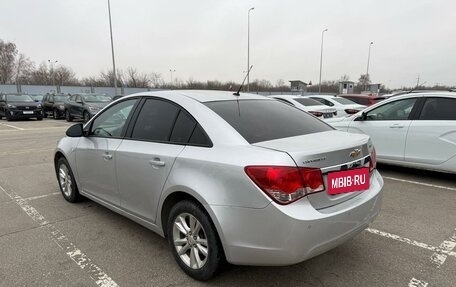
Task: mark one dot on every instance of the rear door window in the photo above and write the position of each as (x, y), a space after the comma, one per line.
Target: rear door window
(439, 109)
(264, 120)
(307, 102)
(155, 121)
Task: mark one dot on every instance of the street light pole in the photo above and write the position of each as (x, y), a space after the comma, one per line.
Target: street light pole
(112, 50)
(52, 62)
(321, 59)
(248, 48)
(367, 70)
(171, 71)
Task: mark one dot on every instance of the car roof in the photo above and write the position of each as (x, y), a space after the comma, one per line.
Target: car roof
(205, 96)
(369, 96)
(323, 96)
(288, 96)
(427, 94)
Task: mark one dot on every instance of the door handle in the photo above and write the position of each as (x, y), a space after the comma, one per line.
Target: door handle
(107, 156)
(156, 162)
(396, 127)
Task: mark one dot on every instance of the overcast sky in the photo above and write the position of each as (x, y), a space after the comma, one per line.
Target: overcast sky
(207, 39)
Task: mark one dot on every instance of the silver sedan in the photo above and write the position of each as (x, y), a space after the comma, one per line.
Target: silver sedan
(241, 179)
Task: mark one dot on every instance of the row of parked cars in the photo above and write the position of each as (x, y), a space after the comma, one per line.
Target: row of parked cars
(23, 106)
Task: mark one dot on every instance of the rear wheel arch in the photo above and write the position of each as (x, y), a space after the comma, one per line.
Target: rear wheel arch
(177, 196)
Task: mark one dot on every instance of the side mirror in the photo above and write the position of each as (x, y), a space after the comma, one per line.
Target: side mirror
(363, 117)
(75, 131)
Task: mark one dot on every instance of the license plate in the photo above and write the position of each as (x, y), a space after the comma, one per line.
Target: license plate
(348, 181)
(27, 112)
(327, 115)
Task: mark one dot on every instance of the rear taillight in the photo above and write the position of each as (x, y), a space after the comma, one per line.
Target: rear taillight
(317, 114)
(373, 160)
(286, 184)
(351, 111)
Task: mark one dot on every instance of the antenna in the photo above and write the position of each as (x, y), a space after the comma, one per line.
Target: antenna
(248, 72)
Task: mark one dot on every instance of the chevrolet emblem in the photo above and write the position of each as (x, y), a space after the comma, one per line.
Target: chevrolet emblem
(355, 153)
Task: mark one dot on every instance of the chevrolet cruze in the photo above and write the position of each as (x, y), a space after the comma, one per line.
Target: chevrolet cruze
(244, 179)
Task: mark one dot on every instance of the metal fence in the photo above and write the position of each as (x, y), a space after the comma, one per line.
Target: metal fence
(36, 89)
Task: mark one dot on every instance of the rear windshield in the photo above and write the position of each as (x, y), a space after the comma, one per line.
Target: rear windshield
(264, 120)
(344, 101)
(307, 102)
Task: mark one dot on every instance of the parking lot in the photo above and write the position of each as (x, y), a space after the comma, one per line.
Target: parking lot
(45, 240)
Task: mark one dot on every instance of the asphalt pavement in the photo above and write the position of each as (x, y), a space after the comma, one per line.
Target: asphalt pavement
(46, 241)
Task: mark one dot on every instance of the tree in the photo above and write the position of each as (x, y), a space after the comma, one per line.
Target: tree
(23, 69)
(41, 76)
(364, 80)
(107, 78)
(344, 78)
(8, 52)
(156, 80)
(64, 76)
(136, 79)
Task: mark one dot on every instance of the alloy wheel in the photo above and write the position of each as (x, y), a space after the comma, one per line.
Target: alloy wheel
(190, 241)
(65, 180)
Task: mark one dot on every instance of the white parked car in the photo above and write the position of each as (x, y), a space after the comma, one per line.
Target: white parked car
(415, 130)
(344, 107)
(311, 106)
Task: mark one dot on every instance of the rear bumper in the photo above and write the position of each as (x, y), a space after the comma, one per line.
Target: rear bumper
(285, 235)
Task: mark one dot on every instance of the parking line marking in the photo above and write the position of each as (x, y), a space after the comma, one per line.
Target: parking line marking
(411, 242)
(41, 196)
(33, 129)
(10, 126)
(417, 283)
(82, 260)
(420, 183)
(437, 258)
(26, 151)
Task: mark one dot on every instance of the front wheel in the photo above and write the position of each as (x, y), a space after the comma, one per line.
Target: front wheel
(66, 180)
(86, 117)
(194, 241)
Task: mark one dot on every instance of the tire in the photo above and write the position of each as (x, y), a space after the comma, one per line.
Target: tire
(68, 117)
(8, 117)
(66, 181)
(40, 118)
(45, 114)
(86, 116)
(204, 245)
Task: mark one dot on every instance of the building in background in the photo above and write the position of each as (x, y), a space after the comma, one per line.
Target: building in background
(299, 86)
(346, 87)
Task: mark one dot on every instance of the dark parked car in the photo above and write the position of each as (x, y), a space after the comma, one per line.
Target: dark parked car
(85, 106)
(37, 98)
(363, 99)
(18, 106)
(53, 105)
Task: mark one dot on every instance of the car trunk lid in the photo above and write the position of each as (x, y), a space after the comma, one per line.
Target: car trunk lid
(330, 151)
